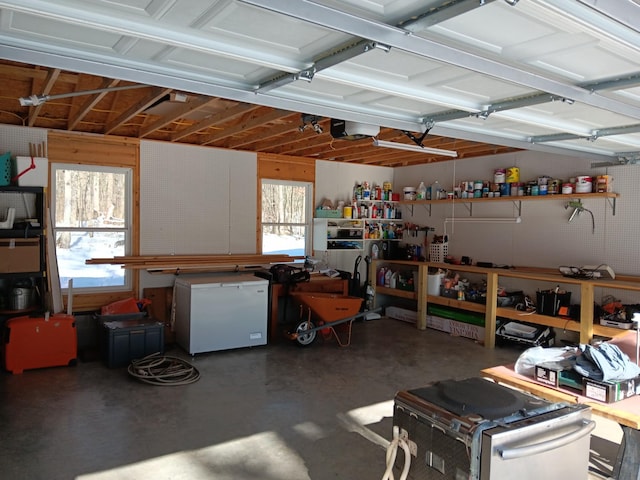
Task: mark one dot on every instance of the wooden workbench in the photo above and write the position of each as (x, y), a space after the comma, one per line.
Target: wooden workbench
(625, 412)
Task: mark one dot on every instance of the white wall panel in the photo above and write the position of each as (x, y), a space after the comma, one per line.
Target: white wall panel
(243, 172)
(335, 181)
(187, 204)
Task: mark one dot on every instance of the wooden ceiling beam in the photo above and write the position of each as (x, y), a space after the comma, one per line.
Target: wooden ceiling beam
(273, 134)
(180, 112)
(221, 117)
(49, 82)
(245, 125)
(28, 73)
(156, 94)
(90, 103)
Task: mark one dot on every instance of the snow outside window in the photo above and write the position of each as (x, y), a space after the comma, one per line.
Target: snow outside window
(286, 217)
(91, 212)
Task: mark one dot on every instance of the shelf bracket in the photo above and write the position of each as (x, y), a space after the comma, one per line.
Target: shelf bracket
(518, 205)
(612, 203)
(469, 207)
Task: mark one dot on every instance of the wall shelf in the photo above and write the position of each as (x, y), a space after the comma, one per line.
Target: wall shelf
(517, 201)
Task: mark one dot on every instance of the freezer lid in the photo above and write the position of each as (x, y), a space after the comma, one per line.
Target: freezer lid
(220, 279)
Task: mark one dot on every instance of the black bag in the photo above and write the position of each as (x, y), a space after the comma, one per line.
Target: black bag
(288, 274)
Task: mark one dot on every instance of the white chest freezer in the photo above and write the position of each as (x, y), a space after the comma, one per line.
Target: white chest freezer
(221, 312)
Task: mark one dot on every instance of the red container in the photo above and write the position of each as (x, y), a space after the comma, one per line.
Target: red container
(36, 342)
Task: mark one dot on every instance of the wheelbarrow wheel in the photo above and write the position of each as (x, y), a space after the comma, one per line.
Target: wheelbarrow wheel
(303, 337)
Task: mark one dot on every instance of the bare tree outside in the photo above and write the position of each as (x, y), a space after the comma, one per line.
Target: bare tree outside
(284, 217)
(90, 209)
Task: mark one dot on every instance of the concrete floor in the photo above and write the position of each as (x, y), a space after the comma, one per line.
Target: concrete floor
(276, 412)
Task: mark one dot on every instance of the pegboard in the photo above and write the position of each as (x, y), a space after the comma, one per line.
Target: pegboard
(196, 200)
(16, 139)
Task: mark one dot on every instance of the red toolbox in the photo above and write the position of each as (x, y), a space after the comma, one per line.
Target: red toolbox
(39, 341)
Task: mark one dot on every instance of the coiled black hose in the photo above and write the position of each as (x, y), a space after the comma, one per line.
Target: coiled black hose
(157, 369)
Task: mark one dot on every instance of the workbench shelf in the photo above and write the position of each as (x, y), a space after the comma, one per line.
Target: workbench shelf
(586, 327)
(396, 292)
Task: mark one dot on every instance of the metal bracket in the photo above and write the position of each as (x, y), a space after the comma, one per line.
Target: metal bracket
(612, 204)
(518, 205)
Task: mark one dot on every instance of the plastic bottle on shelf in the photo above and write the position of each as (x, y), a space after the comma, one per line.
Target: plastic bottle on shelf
(381, 276)
(357, 191)
(366, 191)
(421, 191)
(436, 191)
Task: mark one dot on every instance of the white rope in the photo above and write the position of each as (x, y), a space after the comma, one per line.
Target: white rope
(392, 452)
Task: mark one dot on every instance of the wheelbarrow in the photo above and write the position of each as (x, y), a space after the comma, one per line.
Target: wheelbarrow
(327, 313)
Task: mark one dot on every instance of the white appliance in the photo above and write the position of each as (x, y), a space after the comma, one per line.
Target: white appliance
(220, 312)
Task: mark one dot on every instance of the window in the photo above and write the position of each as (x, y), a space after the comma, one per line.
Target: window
(91, 212)
(286, 217)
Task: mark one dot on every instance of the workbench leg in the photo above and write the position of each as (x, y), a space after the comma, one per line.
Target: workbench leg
(627, 465)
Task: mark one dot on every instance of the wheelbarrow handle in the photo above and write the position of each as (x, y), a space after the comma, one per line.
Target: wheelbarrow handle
(339, 322)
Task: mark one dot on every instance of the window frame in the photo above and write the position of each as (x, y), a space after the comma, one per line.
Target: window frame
(307, 225)
(127, 229)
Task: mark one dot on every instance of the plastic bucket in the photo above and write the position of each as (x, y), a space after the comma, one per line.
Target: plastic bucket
(433, 284)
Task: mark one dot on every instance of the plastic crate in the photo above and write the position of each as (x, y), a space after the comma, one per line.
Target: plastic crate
(438, 251)
(324, 213)
(126, 340)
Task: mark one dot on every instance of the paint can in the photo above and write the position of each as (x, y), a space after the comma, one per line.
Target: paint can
(499, 175)
(409, 193)
(512, 175)
(584, 184)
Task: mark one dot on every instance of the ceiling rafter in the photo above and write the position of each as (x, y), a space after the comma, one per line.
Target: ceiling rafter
(221, 117)
(153, 96)
(49, 82)
(90, 103)
(254, 122)
(178, 113)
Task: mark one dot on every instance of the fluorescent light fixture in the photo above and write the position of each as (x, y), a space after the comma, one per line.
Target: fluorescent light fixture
(414, 148)
(35, 100)
(483, 220)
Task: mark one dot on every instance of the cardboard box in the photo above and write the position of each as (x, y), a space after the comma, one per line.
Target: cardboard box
(549, 374)
(33, 177)
(403, 314)
(459, 329)
(19, 255)
(453, 327)
(609, 392)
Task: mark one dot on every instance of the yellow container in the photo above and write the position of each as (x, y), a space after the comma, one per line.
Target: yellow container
(513, 175)
(346, 212)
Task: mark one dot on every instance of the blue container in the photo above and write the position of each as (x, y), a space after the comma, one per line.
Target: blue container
(5, 169)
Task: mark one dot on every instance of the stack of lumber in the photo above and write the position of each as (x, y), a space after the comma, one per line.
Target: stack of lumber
(193, 263)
